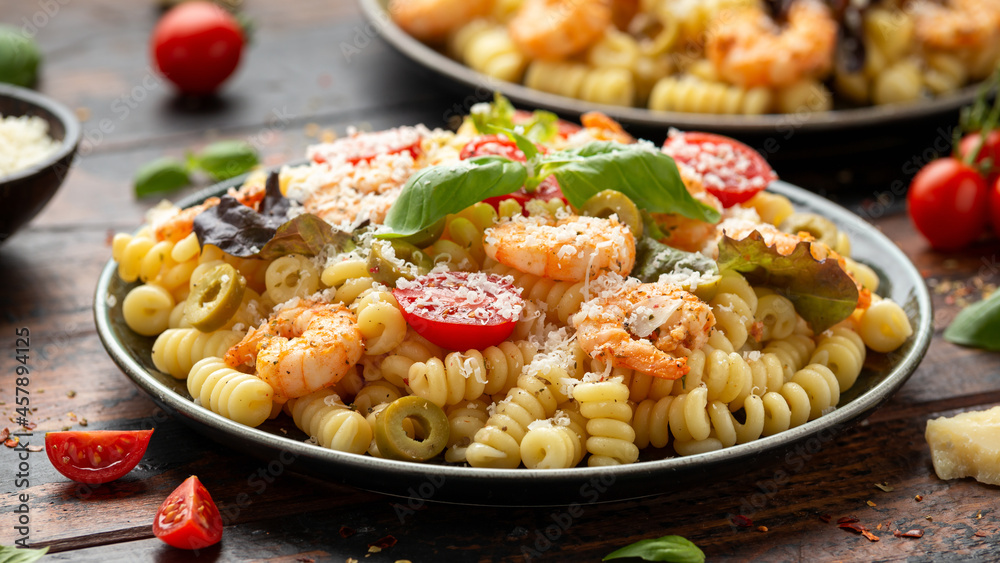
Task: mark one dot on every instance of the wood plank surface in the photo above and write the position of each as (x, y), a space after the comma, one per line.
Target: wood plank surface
(294, 81)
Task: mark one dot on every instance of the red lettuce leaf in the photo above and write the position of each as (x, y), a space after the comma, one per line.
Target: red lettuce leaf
(240, 231)
(822, 292)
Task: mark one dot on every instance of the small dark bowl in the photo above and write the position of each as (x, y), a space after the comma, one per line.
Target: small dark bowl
(25, 192)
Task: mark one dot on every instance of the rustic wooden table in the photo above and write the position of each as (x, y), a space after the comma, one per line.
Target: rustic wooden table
(299, 73)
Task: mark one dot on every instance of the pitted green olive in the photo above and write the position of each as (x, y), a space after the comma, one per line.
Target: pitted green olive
(215, 298)
(821, 228)
(391, 437)
(409, 261)
(611, 202)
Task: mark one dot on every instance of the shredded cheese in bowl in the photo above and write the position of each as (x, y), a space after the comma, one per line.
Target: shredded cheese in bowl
(24, 141)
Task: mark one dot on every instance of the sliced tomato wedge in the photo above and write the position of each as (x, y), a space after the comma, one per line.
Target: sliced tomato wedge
(188, 518)
(730, 170)
(460, 310)
(366, 146)
(96, 456)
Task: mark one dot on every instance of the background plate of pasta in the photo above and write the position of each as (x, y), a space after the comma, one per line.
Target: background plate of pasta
(515, 311)
(727, 65)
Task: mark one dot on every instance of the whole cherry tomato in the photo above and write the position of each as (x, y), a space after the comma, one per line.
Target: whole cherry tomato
(994, 204)
(990, 150)
(188, 518)
(197, 46)
(947, 202)
(96, 456)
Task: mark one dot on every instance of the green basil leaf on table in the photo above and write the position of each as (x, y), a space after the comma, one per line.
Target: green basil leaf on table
(647, 176)
(674, 549)
(9, 554)
(226, 159)
(434, 192)
(978, 325)
(162, 175)
(822, 292)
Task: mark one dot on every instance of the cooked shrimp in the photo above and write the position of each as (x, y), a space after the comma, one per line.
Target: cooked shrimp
(749, 49)
(302, 349)
(603, 128)
(958, 24)
(556, 29)
(433, 20)
(651, 327)
(570, 249)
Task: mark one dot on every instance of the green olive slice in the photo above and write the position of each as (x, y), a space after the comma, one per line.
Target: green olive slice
(821, 228)
(409, 262)
(427, 236)
(391, 438)
(611, 202)
(215, 298)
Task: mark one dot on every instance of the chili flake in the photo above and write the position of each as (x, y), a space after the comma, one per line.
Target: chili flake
(346, 532)
(981, 534)
(869, 535)
(884, 487)
(12, 442)
(761, 528)
(870, 503)
(4, 434)
(825, 518)
(847, 520)
(742, 521)
(918, 498)
(383, 543)
(915, 533)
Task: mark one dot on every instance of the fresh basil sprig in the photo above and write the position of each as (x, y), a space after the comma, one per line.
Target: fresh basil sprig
(541, 127)
(675, 549)
(978, 325)
(436, 191)
(647, 176)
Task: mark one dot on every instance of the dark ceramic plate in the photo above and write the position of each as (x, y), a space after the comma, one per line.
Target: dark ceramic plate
(375, 11)
(280, 440)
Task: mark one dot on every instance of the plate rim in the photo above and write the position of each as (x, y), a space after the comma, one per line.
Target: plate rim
(376, 12)
(207, 422)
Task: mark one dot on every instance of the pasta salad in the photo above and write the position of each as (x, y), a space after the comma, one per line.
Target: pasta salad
(521, 292)
(744, 57)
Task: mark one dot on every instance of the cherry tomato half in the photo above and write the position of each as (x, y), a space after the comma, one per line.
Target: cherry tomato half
(460, 310)
(947, 202)
(96, 456)
(731, 171)
(188, 518)
(366, 146)
(197, 45)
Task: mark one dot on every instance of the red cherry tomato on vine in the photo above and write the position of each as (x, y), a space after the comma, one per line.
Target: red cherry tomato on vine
(96, 456)
(188, 518)
(994, 203)
(947, 202)
(732, 171)
(197, 45)
(460, 310)
(990, 150)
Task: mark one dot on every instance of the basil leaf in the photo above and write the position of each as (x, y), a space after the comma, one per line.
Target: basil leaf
(162, 175)
(529, 148)
(668, 548)
(541, 127)
(653, 259)
(9, 554)
(647, 176)
(226, 159)
(978, 325)
(436, 191)
(822, 292)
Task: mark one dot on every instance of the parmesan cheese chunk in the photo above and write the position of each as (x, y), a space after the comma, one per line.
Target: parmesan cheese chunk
(966, 445)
